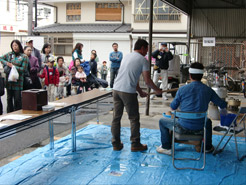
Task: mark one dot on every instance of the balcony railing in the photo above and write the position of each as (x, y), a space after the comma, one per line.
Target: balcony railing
(163, 17)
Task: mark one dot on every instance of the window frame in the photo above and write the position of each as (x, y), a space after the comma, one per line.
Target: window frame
(145, 16)
(73, 12)
(63, 41)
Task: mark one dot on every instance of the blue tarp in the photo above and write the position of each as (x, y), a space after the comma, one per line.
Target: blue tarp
(95, 162)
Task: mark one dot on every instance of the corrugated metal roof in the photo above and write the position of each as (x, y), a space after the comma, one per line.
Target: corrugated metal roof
(84, 28)
(186, 5)
(227, 23)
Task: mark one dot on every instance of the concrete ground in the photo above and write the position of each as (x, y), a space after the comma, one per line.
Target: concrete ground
(157, 107)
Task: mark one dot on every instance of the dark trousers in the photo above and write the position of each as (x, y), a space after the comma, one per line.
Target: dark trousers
(82, 84)
(130, 102)
(1, 106)
(104, 76)
(13, 100)
(68, 90)
(113, 74)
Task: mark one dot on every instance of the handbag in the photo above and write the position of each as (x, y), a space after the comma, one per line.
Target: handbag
(1, 86)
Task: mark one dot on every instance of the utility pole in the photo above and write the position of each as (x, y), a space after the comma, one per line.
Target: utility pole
(36, 13)
(150, 52)
(30, 7)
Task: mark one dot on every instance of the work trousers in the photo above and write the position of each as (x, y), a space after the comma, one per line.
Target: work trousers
(164, 77)
(51, 92)
(61, 91)
(13, 100)
(130, 102)
(113, 75)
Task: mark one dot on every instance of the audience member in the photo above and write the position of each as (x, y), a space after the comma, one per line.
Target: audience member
(115, 57)
(81, 76)
(51, 75)
(35, 52)
(93, 64)
(34, 68)
(20, 61)
(61, 86)
(104, 71)
(61, 67)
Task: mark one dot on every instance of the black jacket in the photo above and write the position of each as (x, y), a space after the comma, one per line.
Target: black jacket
(93, 65)
(162, 58)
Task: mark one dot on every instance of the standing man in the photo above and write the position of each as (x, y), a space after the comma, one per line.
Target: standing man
(124, 94)
(115, 57)
(35, 52)
(162, 56)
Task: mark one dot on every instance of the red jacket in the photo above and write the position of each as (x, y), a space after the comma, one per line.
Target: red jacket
(52, 79)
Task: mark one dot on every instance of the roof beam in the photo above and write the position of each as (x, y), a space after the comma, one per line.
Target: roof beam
(236, 3)
(181, 5)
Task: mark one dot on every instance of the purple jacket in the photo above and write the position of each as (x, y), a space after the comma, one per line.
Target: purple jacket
(33, 63)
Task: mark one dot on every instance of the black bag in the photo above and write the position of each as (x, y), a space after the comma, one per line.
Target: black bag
(27, 83)
(1, 86)
(93, 80)
(7, 69)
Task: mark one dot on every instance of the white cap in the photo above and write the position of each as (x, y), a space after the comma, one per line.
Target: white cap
(29, 39)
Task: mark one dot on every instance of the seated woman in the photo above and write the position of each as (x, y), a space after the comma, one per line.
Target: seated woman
(74, 69)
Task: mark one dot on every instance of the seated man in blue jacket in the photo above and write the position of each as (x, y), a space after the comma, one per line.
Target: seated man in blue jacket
(193, 97)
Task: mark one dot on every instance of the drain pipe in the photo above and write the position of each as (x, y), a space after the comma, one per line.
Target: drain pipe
(123, 8)
(52, 7)
(123, 16)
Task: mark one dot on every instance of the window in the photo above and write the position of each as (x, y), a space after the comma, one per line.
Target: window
(108, 12)
(73, 12)
(161, 12)
(63, 46)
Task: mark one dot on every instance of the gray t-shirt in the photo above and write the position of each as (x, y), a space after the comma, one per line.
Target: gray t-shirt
(130, 70)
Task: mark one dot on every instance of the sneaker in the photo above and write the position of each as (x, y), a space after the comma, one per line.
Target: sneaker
(210, 150)
(118, 147)
(138, 148)
(165, 98)
(163, 150)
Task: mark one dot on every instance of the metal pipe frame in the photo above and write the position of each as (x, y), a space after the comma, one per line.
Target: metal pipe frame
(217, 150)
(203, 149)
(51, 131)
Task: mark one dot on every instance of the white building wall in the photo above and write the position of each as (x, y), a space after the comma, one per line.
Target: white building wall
(8, 18)
(88, 14)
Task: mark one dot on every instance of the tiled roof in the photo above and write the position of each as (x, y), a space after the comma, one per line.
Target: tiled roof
(84, 28)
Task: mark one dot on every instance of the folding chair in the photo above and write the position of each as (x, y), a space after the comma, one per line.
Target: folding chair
(190, 137)
(232, 132)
